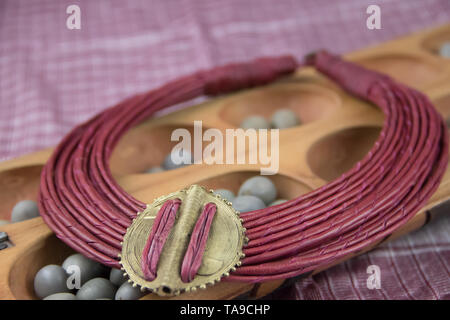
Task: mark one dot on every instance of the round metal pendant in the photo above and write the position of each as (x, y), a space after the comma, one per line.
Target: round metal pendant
(223, 247)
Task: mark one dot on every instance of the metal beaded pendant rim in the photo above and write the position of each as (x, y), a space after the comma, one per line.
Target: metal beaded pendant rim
(127, 256)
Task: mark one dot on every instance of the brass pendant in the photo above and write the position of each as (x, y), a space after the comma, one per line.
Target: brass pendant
(223, 247)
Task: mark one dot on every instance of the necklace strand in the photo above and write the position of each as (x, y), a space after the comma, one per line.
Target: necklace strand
(90, 212)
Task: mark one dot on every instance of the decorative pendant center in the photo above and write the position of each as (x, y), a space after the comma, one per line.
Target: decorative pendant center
(183, 241)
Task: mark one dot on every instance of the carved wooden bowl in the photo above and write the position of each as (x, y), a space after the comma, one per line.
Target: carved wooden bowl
(337, 130)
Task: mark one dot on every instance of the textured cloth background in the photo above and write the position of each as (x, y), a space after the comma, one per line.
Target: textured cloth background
(52, 78)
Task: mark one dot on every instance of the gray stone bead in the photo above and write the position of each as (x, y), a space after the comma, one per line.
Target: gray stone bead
(444, 50)
(24, 210)
(155, 169)
(49, 280)
(255, 122)
(127, 292)
(116, 277)
(97, 288)
(61, 296)
(225, 194)
(89, 269)
(247, 203)
(3, 236)
(284, 118)
(277, 202)
(260, 187)
(182, 156)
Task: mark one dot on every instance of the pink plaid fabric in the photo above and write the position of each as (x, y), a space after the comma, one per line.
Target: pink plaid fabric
(52, 78)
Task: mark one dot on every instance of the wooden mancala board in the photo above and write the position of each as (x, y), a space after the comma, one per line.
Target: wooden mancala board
(337, 130)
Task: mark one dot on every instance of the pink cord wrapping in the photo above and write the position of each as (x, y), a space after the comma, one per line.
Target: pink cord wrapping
(197, 244)
(161, 228)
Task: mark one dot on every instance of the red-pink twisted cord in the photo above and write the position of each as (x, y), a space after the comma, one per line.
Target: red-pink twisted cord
(194, 253)
(89, 211)
(161, 229)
